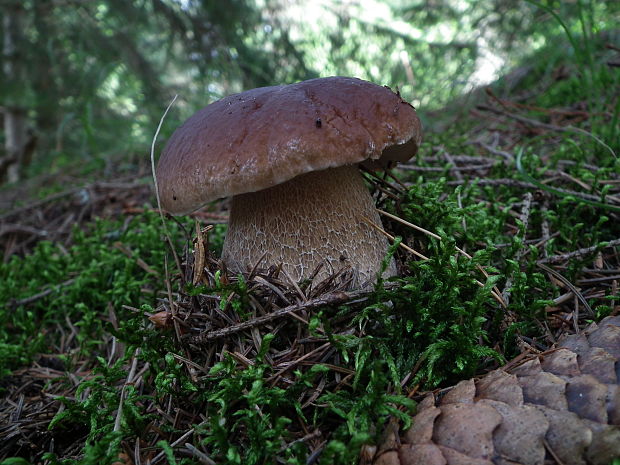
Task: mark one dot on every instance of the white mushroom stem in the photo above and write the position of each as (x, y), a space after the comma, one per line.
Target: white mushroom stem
(313, 218)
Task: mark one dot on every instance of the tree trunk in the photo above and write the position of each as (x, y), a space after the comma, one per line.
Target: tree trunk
(15, 122)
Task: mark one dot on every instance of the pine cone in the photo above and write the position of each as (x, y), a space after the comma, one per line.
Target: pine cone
(560, 407)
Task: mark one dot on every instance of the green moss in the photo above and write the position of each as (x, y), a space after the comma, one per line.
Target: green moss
(78, 286)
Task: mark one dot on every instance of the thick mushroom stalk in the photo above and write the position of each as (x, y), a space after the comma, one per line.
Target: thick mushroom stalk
(314, 218)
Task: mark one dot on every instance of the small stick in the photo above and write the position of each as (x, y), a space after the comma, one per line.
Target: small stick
(524, 217)
(544, 227)
(580, 252)
(40, 295)
(570, 285)
(161, 455)
(201, 456)
(392, 238)
(552, 127)
(411, 225)
(457, 170)
(130, 376)
(333, 298)
(495, 291)
(524, 185)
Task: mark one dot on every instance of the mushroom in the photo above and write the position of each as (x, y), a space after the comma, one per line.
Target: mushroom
(288, 155)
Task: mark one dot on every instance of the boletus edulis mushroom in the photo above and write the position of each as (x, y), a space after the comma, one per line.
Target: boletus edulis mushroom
(289, 155)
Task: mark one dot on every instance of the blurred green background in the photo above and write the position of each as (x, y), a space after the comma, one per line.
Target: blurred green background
(92, 77)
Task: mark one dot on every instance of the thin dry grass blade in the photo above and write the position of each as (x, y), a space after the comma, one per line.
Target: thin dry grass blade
(495, 292)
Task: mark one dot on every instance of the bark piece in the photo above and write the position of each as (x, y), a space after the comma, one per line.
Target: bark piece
(561, 362)
(613, 404)
(607, 338)
(467, 428)
(388, 458)
(544, 389)
(463, 392)
(587, 398)
(567, 436)
(600, 364)
(529, 368)
(421, 431)
(605, 446)
(519, 436)
(427, 402)
(562, 407)
(454, 457)
(428, 454)
(577, 343)
(501, 386)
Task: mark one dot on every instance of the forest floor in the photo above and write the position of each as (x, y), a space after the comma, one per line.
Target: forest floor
(123, 340)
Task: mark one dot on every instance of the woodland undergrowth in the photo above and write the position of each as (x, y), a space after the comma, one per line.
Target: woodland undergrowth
(122, 344)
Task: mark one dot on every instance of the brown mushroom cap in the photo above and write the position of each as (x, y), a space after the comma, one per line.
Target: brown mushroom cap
(266, 136)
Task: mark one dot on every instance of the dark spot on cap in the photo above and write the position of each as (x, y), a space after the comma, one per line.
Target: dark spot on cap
(318, 123)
